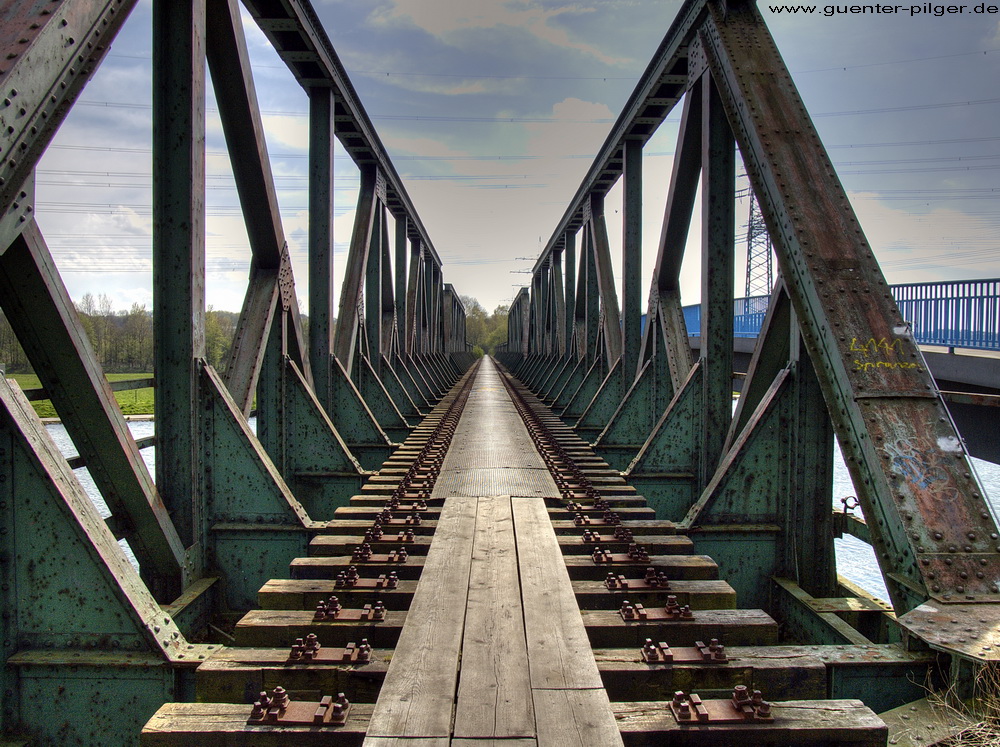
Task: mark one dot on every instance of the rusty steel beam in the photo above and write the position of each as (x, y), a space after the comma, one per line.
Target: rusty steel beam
(179, 256)
(631, 259)
(685, 173)
(559, 303)
(47, 54)
(718, 177)
(232, 78)
(321, 106)
(934, 535)
(659, 88)
(402, 297)
(412, 316)
(387, 302)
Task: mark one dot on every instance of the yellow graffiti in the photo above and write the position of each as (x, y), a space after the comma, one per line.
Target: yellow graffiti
(873, 347)
(868, 365)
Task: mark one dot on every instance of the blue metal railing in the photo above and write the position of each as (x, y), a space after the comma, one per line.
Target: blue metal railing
(959, 314)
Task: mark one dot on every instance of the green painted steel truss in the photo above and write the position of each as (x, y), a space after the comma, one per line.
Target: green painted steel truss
(835, 359)
(94, 646)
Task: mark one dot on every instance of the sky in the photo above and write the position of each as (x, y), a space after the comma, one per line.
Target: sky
(493, 110)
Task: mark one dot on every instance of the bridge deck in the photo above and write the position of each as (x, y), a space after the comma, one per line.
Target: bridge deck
(483, 639)
(498, 632)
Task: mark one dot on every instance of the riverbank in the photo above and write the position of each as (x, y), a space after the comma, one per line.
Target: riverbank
(128, 418)
(134, 403)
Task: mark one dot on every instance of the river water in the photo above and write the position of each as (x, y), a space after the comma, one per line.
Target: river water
(855, 559)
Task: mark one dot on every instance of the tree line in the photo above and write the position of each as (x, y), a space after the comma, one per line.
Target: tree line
(123, 339)
(484, 331)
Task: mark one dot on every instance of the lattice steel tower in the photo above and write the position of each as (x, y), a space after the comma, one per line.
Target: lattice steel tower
(760, 265)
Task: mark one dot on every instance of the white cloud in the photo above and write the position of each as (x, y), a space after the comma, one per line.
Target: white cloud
(916, 245)
(446, 19)
(995, 39)
(286, 131)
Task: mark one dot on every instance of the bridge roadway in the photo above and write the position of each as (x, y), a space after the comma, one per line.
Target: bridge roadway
(483, 641)
(495, 628)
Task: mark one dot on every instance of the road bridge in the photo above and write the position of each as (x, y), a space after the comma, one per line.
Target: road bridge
(580, 543)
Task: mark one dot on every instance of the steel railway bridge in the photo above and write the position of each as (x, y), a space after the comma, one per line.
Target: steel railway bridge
(577, 543)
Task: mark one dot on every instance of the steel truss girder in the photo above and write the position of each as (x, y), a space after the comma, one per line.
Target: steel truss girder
(298, 37)
(255, 522)
(271, 289)
(907, 461)
(226, 507)
(80, 631)
(777, 467)
(933, 533)
(39, 308)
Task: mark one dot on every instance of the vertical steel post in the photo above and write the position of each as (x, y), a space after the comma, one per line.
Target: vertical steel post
(432, 305)
(605, 281)
(631, 259)
(387, 299)
(179, 254)
(570, 297)
(591, 293)
(413, 300)
(538, 312)
(350, 295)
(717, 267)
(559, 305)
(373, 287)
(321, 106)
(402, 308)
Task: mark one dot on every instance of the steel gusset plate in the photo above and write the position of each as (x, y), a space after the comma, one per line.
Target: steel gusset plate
(971, 631)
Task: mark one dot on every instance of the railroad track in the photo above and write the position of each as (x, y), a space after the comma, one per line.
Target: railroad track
(497, 581)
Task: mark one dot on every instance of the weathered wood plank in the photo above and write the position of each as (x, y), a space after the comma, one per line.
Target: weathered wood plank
(330, 567)
(237, 675)
(305, 594)
(607, 629)
(570, 704)
(559, 654)
(575, 718)
(827, 722)
(671, 544)
(638, 527)
(280, 628)
(779, 672)
(419, 689)
(369, 512)
(712, 594)
(358, 526)
(494, 691)
(797, 722)
(333, 545)
(691, 567)
(224, 725)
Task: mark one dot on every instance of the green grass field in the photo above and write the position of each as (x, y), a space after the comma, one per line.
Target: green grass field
(132, 402)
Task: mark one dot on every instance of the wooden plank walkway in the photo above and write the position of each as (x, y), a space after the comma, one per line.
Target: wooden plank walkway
(419, 688)
(526, 666)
